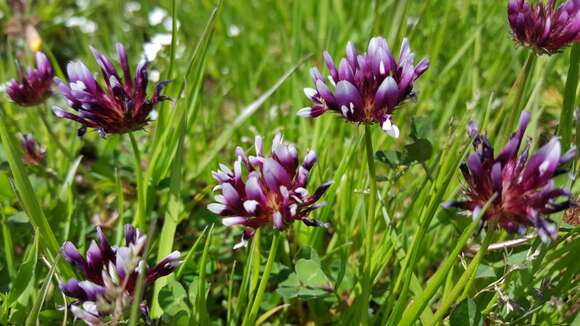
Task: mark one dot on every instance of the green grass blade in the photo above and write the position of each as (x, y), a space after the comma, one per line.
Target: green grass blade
(246, 113)
(28, 197)
(567, 116)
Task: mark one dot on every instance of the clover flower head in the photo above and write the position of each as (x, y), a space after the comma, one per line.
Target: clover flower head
(264, 190)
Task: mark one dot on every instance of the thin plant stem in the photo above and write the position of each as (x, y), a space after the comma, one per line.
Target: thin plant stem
(264, 281)
(567, 116)
(28, 197)
(52, 135)
(139, 220)
(516, 93)
(465, 281)
(8, 246)
(140, 285)
(370, 226)
(417, 307)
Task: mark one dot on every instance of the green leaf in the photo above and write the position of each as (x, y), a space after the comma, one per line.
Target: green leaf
(389, 157)
(310, 274)
(308, 282)
(466, 313)
(420, 151)
(5, 188)
(172, 299)
(485, 271)
(422, 127)
(26, 276)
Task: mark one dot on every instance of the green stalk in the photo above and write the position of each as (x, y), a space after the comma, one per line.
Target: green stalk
(139, 220)
(140, 285)
(416, 308)
(567, 116)
(465, 280)
(8, 246)
(52, 135)
(28, 197)
(264, 281)
(170, 222)
(370, 228)
(516, 94)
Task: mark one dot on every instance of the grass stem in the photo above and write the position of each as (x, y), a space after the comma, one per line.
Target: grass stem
(370, 226)
(139, 220)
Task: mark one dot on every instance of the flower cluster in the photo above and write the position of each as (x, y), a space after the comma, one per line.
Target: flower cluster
(33, 85)
(366, 87)
(33, 154)
(111, 276)
(542, 27)
(273, 192)
(120, 108)
(525, 188)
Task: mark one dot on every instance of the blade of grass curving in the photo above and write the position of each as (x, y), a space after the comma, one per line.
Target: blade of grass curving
(28, 197)
(247, 112)
(175, 208)
(8, 245)
(567, 116)
(444, 176)
(66, 195)
(262, 319)
(248, 277)
(201, 300)
(201, 47)
(39, 301)
(161, 123)
(120, 208)
(465, 278)
(172, 218)
(190, 254)
(397, 21)
(139, 220)
(250, 320)
(414, 310)
(515, 98)
(140, 285)
(165, 145)
(230, 294)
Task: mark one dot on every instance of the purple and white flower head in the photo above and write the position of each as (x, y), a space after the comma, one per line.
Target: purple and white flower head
(543, 27)
(267, 190)
(111, 275)
(33, 153)
(525, 187)
(119, 107)
(365, 88)
(33, 85)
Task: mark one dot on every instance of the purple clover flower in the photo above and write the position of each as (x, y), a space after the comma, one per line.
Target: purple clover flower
(33, 86)
(121, 107)
(525, 187)
(368, 87)
(272, 193)
(542, 27)
(111, 275)
(33, 154)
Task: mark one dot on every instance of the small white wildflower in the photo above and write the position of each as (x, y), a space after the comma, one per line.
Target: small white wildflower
(233, 30)
(157, 15)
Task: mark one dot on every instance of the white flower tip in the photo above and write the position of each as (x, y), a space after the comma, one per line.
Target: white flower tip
(391, 129)
(250, 206)
(305, 112)
(310, 92)
(241, 244)
(216, 208)
(229, 221)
